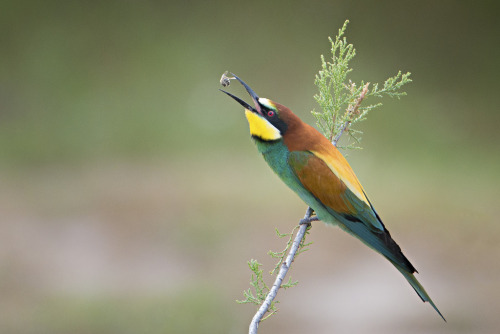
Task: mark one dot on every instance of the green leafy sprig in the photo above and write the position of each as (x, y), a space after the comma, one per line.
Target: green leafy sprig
(260, 288)
(340, 99)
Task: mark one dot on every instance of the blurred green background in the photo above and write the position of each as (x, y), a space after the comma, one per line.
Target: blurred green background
(131, 196)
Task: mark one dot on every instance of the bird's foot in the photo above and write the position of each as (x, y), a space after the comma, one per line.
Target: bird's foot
(308, 220)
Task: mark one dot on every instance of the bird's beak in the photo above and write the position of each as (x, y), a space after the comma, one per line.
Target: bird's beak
(250, 91)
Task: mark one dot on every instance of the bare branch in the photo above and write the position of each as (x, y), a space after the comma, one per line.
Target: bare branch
(254, 325)
(337, 137)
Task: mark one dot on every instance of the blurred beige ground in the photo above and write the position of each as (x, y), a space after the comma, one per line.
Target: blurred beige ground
(131, 196)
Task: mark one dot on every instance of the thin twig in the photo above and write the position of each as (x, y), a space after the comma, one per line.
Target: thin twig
(337, 137)
(304, 224)
(254, 325)
(352, 112)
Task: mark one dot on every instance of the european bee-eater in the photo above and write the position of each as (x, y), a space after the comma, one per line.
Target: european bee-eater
(312, 166)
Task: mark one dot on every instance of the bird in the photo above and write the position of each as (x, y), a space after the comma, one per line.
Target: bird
(309, 164)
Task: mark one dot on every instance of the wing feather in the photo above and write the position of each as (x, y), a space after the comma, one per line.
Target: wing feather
(356, 215)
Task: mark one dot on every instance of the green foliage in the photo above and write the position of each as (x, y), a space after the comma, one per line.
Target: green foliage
(260, 288)
(340, 99)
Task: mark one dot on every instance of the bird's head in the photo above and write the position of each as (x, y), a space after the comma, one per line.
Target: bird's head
(267, 120)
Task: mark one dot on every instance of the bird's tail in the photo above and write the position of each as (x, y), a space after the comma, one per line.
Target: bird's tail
(418, 287)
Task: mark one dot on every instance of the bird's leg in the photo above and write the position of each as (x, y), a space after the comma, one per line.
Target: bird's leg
(308, 221)
(307, 218)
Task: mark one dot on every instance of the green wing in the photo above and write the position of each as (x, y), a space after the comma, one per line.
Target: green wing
(355, 215)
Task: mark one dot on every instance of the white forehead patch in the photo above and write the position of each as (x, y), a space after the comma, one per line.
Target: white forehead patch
(267, 103)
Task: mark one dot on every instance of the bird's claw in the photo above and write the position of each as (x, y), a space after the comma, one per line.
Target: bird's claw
(308, 220)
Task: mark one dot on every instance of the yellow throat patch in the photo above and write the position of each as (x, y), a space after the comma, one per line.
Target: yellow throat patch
(260, 127)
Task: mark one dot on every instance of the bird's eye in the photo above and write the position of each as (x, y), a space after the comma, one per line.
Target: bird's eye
(270, 113)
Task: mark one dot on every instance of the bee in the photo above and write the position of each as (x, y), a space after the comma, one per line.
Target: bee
(225, 80)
